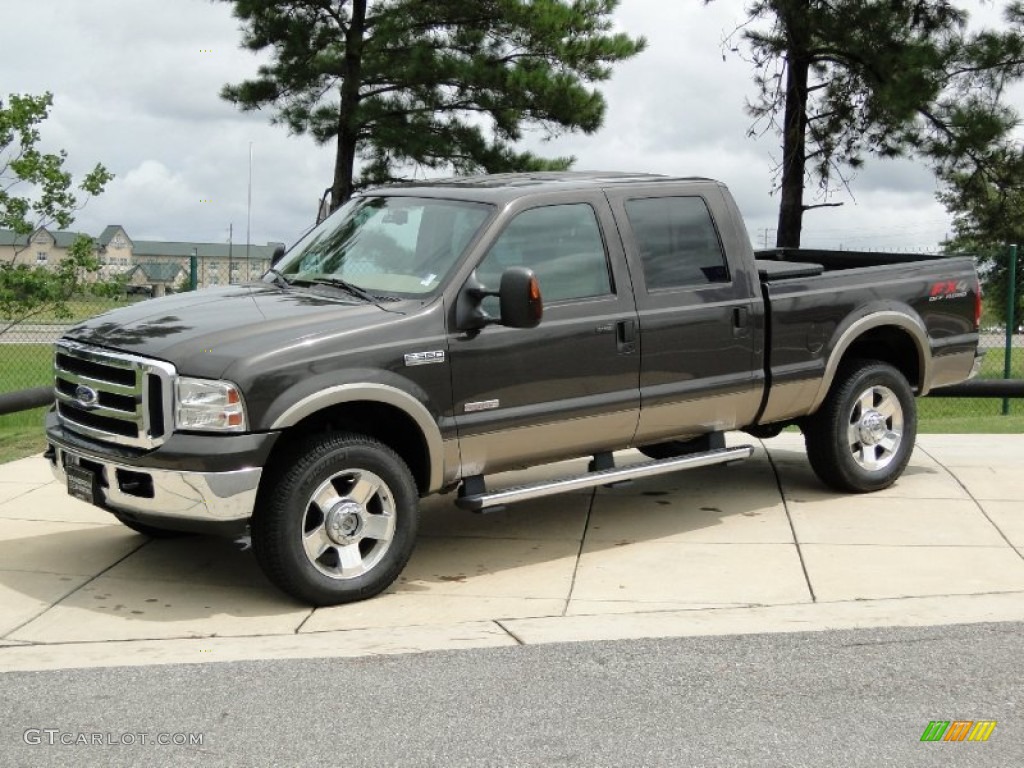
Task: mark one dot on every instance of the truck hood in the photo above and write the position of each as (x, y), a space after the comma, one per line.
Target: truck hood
(203, 332)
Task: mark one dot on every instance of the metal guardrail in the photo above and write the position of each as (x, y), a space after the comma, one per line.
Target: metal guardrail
(25, 399)
(982, 388)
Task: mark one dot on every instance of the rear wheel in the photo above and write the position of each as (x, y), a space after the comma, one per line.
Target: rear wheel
(861, 438)
(340, 523)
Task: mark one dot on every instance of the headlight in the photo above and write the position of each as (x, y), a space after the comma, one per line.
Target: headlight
(204, 404)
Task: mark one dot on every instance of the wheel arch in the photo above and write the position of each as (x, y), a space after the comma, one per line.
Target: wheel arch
(890, 336)
(386, 413)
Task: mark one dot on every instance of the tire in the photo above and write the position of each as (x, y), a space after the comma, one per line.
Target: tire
(339, 524)
(149, 530)
(861, 438)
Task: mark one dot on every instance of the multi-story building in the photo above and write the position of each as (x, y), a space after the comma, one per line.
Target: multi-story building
(153, 266)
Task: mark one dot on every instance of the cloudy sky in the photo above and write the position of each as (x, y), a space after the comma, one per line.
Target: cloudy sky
(136, 85)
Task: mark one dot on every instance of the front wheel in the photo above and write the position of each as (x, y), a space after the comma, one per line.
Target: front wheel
(861, 438)
(340, 523)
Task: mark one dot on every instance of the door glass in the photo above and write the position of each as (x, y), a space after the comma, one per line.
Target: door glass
(561, 243)
(677, 241)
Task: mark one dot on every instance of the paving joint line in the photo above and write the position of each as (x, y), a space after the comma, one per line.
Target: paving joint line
(789, 518)
(70, 592)
(579, 552)
(977, 503)
(510, 633)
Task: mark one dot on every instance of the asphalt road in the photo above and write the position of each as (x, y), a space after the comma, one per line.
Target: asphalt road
(851, 698)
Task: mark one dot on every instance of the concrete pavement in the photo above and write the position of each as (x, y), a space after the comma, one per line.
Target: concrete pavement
(760, 546)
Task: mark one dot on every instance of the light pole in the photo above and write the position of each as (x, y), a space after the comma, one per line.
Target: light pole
(248, 216)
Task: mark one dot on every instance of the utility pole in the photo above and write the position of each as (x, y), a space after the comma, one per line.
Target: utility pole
(248, 215)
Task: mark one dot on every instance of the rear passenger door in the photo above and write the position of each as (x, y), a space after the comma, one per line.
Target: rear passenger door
(571, 385)
(700, 326)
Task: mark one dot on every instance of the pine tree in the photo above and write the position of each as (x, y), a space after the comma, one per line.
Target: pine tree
(844, 79)
(988, 215)
(445, 85)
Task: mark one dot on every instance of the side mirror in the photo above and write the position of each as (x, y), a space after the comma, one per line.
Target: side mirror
(278, 253)
(519, 299)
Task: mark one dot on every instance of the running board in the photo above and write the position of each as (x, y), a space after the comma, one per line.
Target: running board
(483, 501)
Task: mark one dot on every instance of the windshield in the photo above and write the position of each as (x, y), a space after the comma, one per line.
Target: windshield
(400, 246)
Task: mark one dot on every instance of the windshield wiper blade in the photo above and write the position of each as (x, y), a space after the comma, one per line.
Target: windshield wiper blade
(351, 288)
(279, 278)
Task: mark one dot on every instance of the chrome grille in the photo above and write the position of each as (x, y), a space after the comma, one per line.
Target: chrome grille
(112, 396)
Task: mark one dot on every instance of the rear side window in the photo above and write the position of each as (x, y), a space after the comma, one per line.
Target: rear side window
(677, 241)
(561, 243)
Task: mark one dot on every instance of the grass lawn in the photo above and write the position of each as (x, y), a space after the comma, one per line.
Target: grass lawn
(21, 434)
(84, 307)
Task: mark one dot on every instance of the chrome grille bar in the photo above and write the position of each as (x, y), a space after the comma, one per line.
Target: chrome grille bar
(107, 395)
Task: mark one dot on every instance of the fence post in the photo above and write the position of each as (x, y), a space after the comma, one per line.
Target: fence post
(1011, 303)
(193, 269)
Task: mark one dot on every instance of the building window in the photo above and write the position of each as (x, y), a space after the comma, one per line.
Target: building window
(40, 257)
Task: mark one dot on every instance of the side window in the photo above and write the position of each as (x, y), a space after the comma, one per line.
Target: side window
(561, 244)
(677, 241)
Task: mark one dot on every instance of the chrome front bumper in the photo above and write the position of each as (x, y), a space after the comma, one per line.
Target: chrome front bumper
(202, 497)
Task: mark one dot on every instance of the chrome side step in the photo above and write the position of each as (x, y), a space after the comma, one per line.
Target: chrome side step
(483, 501)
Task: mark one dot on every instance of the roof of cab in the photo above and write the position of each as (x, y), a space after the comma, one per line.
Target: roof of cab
(504, 186)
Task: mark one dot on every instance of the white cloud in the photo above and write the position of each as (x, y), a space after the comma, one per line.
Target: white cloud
(136, 86)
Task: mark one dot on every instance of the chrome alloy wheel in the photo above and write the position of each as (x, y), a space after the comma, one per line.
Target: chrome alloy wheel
(876, 428)
(349, 524)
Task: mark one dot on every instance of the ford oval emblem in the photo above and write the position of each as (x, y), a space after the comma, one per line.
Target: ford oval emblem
(86, 397)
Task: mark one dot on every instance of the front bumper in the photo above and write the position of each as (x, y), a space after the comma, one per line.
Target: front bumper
(169, 498)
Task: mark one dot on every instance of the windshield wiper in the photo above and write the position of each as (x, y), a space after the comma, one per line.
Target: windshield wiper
(279, 279)
(351, 288)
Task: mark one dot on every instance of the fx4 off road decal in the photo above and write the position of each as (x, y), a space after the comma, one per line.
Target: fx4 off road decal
(947, 289)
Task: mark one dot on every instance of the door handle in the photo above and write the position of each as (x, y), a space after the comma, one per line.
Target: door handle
(740, 321)
(625, 336)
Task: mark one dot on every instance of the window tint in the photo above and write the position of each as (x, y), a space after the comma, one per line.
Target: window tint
(561, 244)
(677, 241)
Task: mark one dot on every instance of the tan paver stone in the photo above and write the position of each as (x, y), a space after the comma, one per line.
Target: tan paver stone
(995, 483)
(805, 617)
(490, 568)
(34, 469)
(118, 609)
(66, 548)
(1009, 517)
(25, 595)
(315, 645)
(554, 517)
(13, 490)
(844, 572)
(51, 502)
(722, 516)
(690, 573)
(867, 519)
(974, 450)
(401, 609)
(193, 560)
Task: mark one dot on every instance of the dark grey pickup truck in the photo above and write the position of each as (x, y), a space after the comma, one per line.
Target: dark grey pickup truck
(403, 348)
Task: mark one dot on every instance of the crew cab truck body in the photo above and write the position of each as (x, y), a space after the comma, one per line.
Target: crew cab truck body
(402, 348)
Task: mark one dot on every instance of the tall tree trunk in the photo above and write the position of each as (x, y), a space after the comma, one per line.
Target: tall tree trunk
(794, 152)
(348, 128)
(793, 17)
